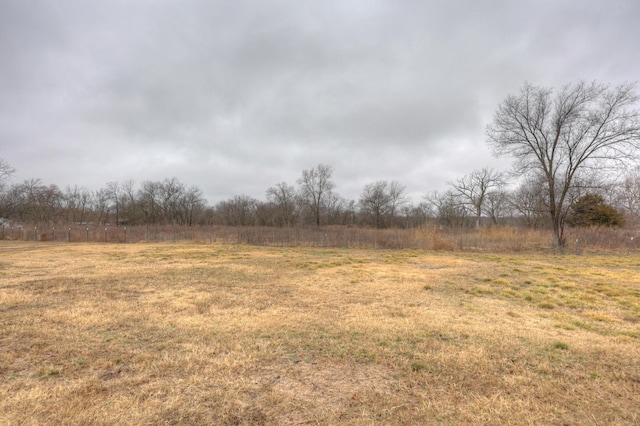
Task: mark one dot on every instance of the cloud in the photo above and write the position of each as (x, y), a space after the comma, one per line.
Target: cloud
(237, 96)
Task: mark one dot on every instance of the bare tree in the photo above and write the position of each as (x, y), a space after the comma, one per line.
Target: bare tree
(114, 194)
(446, 208)
(349, 212)
(415, 215)
(628, 196)
(130, 203)
(76, 202)
(5, 172)
(337, 209)
(6, 200)
(397, 198)
(38, 203)
(315, 188)
(283, 196)
(267, 214)
(530, 203)
(9, 200)
(580, 127)
(149, 201)
(473, 188)
(375, 203)
(380, 202)
(497, 205)
(171, 191)
(100, 205)
(191, 204)
(238, 211)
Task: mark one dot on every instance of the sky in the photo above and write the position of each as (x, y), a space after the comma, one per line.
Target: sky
(236, 96)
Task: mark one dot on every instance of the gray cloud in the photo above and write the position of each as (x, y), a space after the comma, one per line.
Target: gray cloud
(237, 96)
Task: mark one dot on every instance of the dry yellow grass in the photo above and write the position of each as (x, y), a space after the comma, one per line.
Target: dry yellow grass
(213, 334)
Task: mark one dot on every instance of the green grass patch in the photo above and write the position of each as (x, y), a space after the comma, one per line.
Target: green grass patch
(561, 346)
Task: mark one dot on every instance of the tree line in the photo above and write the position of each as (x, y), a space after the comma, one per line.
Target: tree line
(480, 198)
(570, 146)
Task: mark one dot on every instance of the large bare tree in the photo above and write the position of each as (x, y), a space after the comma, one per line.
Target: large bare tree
(561, 135)
(315, 188)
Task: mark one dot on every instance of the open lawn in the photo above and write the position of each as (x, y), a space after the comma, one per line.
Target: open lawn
(221, 334)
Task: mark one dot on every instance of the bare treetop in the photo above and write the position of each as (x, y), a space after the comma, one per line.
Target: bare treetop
(582, 122)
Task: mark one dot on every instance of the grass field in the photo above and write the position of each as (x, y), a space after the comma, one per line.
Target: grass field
(221, 334)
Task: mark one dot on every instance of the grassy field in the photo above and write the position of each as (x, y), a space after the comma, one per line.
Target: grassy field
(215, 334)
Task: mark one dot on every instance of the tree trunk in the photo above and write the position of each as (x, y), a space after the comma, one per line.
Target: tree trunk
(558, 239)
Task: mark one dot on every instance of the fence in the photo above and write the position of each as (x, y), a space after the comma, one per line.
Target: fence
(496, 239)
(102, 234)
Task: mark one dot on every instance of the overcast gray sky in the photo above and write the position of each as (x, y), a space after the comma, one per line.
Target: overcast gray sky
(236, 96)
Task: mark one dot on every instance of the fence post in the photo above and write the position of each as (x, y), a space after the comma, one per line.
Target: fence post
(87, 236)
(53, 233)
(125, 235)
(35, 231)
(105, 235)
(69, 236)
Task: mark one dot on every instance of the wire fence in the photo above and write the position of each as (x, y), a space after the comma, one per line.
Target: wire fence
(495, 239)
(105, 234)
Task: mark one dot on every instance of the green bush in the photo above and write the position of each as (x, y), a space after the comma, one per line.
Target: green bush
(591, 210)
